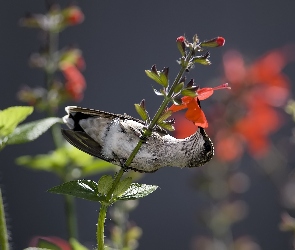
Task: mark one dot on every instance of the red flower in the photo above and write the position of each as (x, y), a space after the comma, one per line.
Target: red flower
(180, 39)
(251, 116)
(248, 116)
(230, 148)
(183, 127)
(75, 84)
(260, 121)
(194, 112)
(73, 15)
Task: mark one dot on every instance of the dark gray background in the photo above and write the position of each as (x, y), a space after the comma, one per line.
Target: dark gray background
(119, 40)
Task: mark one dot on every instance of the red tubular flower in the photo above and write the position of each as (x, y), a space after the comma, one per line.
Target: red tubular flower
(194, 112)
(75, 84)
(183, 127)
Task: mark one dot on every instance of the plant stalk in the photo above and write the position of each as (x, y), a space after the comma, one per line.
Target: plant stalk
(147, 133)
(103, 211)
(50, 70)
(100, 227)
(3, 229)
(71, 216)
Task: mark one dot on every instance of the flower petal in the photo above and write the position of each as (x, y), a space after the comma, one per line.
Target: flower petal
(196, 115)
(175, 108)
(204, 93)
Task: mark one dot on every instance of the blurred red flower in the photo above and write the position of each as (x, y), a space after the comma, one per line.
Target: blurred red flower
(249, 115)
(73, 15)
(257, 90)
(75, 81)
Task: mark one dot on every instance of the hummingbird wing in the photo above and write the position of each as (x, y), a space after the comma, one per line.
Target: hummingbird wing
(82, 141)
(78, 113)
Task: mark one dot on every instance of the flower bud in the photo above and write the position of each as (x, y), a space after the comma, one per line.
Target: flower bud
(215, 42)
(180, 39)
(73, 15)
(181, 44)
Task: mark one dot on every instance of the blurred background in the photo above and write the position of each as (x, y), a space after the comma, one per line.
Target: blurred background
(119, 40)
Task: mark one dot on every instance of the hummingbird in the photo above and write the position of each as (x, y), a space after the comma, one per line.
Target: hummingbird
(113, 137)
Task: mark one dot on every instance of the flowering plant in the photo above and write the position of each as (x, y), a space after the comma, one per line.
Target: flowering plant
(140, 137)
(241, 119)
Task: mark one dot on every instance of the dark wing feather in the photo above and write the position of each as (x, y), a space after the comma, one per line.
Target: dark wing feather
(93, 112)
(83, 142)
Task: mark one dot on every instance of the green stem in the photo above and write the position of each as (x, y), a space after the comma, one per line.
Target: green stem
(103, 211)
(115, 183)
(100, 227)
(162, 107)
(51, 66)
(71, 216)
(50, 70)
(3, 229)
(168, 97)
(56, 134)
(147, 133)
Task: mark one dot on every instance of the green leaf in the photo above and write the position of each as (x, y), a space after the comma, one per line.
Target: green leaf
(164, 79)
(203, 59)
(36, 248)
(166, 126)
(76, 245)
(177, 101)
(47, 245)
(87, 164)
(178, 87)
(77, 157)
(160, 93)
(56, 161)
(104, 184)
(122, 186)
(85, 189)
(157, 76)
(11, 117)
(136, 191)
(205, 62)
(164, 116)
(41, 162)
(181, 48)
(32, 130)
(141, 111)
(186, 92)
(53, 162)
